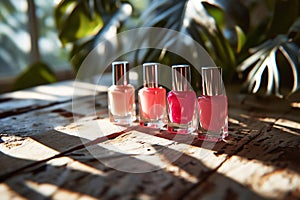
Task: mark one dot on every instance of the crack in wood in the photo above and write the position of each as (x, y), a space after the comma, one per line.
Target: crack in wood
(2, 100)
(265, 128)
(26, 109)
(203, 180)
(66, 113)
(66, 152)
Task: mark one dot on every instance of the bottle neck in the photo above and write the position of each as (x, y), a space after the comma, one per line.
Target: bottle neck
(120, 75)
(150, 75)
(212, 82)
(181, 77)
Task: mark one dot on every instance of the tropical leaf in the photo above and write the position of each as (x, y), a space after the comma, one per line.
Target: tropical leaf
(264, 57)
(196, 19)
(76, 20)
(36, 74)
(291, 53)
(83, 23)
(283, 29)
(221, 27)
(241, 38)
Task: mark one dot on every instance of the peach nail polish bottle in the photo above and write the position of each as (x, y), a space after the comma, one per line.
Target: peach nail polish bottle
(121, 99)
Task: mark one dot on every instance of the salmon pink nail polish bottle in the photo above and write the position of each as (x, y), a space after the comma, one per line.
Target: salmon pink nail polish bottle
(182, 101)
(152, 98)
(213, 106)
(121, 99)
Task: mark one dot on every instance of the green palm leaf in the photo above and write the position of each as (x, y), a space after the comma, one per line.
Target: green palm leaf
(264, 57)
(192, 17)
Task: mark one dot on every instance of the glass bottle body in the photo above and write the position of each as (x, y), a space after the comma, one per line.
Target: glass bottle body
(213, 106)
(213, 117)
(121, 104)
(182, 114)
(152, 106)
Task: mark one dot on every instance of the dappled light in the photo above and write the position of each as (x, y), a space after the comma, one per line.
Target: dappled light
(28, 145)
(48, 189)
(295, 104)
(58, 92)
(267, 119)
(149, 135)
(287, 130)
(235, 121)
(288, 123)
(33, 95)
(268, 181)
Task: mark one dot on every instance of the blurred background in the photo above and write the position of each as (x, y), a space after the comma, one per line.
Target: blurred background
(255, 41)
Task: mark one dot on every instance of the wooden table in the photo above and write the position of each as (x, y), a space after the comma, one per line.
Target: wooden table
(51, 149)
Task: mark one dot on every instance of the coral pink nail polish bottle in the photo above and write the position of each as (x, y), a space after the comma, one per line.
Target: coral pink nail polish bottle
(182, 101)
(152, 98)
(213, 106)
(121, 98)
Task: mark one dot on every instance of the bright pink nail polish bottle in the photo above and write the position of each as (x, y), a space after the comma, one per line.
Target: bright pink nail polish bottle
(213, 106)
(152, 98)
(182, 112)
(121, 98)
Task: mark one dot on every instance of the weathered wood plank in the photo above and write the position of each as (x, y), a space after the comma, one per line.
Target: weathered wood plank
(53, 117)
(219, 186)
(184, 168)
(43, 96)
(268, 164)
(166, 177)
(258, 160)
(48, 144)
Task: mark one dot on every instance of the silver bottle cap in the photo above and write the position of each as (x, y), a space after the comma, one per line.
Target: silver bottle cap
(212, 82)
(120, 75)
(150, 74)
(181, 76)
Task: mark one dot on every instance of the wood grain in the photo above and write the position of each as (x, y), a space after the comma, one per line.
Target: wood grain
(55, 152)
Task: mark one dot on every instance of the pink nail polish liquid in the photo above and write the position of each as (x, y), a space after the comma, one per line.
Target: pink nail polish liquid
(182, 116)
(213, 106)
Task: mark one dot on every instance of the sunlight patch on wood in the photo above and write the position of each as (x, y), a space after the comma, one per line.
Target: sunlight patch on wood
(45, 189)
(235, 121)
(74, 165)
(295, 104)
(286, 130)
(264, 179)
(53, 191)
(288, 123)
(267, 119)
(20, 150)
(7, 193)
(179, 172)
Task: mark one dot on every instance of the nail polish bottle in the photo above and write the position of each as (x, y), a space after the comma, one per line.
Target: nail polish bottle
(182, 101)
(121, 99)
(213, 106)
(152, 98)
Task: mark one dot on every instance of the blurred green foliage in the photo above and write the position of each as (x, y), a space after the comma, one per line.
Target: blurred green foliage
(18, 54)
(253, 38)
(36, 74)
(256, 40)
